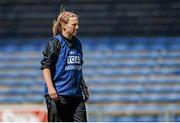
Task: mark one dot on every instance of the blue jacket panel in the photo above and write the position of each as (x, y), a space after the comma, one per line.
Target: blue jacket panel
(67, 74)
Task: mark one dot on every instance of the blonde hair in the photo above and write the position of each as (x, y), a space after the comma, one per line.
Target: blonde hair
(63, 17)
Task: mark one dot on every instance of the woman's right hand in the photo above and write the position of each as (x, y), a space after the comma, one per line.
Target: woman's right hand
(53, 94)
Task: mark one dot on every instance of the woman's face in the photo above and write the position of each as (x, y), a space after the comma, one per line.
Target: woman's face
(71, 27)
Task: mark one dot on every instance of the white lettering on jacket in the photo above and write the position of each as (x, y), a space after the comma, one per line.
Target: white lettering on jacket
(73, 60)
(73, 67)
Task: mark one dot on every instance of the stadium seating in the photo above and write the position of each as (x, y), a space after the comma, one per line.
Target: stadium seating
(98, 17)
(136, 75)
(130, 79)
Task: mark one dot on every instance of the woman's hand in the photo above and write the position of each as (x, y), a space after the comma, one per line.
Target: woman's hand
(53, 94)
(86, 94)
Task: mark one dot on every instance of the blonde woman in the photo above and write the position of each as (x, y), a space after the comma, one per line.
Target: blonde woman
(65, 89)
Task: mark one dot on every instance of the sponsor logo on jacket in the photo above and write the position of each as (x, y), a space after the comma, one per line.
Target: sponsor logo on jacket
(73, 60)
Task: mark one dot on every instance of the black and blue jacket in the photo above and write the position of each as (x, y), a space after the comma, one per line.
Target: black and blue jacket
(65, 59)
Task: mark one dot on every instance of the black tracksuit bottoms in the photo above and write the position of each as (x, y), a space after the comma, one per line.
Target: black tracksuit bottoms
(66, 109)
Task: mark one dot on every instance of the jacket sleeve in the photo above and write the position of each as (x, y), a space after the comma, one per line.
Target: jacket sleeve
(50, 54)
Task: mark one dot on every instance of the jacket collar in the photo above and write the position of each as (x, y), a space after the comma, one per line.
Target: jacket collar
(70, 43)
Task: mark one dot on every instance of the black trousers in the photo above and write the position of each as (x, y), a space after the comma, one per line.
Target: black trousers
(66, 109)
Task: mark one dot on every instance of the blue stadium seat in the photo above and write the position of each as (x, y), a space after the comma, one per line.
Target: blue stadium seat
(128, 64)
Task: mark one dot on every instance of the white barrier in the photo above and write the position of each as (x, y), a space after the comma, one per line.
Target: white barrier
(24, 115)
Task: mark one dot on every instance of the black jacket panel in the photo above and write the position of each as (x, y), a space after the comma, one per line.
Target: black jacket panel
(50, 54)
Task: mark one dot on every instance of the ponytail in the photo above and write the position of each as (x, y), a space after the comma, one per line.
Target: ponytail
(56, 29)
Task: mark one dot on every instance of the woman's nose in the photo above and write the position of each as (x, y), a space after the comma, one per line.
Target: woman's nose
(77, 26)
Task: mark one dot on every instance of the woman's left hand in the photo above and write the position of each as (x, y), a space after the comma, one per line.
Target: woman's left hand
(86, 94)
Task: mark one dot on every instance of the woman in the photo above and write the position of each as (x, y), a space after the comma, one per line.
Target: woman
(65, 89)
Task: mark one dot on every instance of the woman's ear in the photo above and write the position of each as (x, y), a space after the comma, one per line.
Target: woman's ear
(63, 26)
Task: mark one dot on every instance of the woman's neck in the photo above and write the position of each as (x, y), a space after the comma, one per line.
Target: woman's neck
(67, 36)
